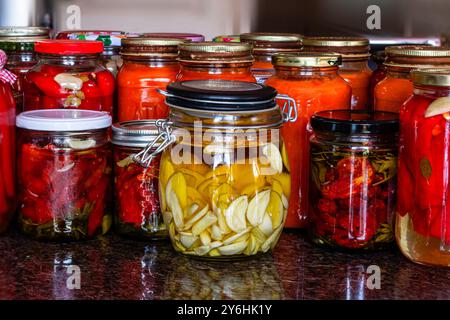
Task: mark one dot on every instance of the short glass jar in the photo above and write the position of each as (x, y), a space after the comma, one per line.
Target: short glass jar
(148, 64)
(137, 209)
(353, 179)
(212, 60)
(396, 87)
(64, 174)
(69, 76)
(224, 187)
(312, 80)
(423, 210)
(265, 45)
(354, 68)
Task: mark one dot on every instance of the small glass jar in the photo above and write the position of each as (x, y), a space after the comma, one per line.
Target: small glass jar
(185, 36)
(423, 209)
(212, 60)
(69, 75)
(312, 80)
(64, 174)
(265, 45)
(353, 179)
(354, 68)
(138, 212)
(377, 75)
(396, 87)
(18, 43)
(224, 187)
(148, 64)
(110, 57)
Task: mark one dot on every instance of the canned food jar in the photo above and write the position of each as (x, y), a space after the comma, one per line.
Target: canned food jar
(110, 57)
(397, 87)
(353, 179)
(194, 37)
(64, 174)
(18, 43)
(213, 60)
(137, 211)
(149, 64)
(423, 210)
(69, 75)
(223, 184)
(265, 45)
(312, 80)
(354, 68)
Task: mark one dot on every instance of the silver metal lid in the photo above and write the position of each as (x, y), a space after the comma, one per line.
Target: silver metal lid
(135, 133)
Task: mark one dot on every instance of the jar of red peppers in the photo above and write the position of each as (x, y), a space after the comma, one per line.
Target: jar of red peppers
(265, 45)
(213, 60)
(423, 210)
(354, 68)
(149, 64)
(18, 43)
(353, 179)
(68, 75)
(137, 211)
(64, 174)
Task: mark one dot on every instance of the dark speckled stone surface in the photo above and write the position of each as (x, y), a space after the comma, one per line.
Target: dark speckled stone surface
(115, 268)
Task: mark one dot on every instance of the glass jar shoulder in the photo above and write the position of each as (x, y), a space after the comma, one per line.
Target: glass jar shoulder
(140, 74)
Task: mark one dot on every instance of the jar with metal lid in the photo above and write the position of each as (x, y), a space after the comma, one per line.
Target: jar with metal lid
(64, 174)
(18, 43)
(224, 186)
(110, 57)
(423, 210)
(377, 75)
(353, 179)
(312, 80)
(148, 64)
(137, 210)
(69, 76)
(265, 45)
(212, 60)
(194, 37)
(397, 87)
(354, 68)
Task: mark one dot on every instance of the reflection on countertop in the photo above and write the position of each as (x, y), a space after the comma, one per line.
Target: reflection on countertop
(115, 268)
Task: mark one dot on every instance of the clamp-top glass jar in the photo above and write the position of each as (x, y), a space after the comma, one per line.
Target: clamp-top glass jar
(224, 187)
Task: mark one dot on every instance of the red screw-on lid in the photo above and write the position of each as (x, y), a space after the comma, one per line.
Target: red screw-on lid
(68, 47)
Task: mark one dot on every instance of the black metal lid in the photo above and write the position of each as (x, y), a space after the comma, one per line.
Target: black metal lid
(355, 121)
(220, 95)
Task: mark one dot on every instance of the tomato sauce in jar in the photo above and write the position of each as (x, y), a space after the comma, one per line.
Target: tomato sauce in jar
(312, 80)
(377, 75)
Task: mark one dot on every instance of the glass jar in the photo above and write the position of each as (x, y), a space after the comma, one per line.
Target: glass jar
(148, 64)
(377, 75)
(397, 87)
(64, 174)
(18, 43)
(186, 36)
(110, 57)
(224, 187)
(354, 68)
(353, 179)
(212, 60)
(312, 80)
(137, 213)
(423, 210)
(265, 45)
(68, 75)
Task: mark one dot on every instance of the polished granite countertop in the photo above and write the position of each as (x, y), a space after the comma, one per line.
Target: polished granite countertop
(112, 267)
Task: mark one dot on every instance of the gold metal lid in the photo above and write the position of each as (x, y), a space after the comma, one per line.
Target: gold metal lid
(431, 77)
(216, 52)
(151, 47)
(23, 34)
(215, 47)
(418, 51)
(143, 41)
(271, 37)
(335, 41)
(306, 59)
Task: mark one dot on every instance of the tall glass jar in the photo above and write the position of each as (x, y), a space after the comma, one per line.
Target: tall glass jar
(137, 212)
(397, 87)
(423, 210)
(265, 45)
(18, 43)
(148, 64)
(312, 80)
(354, 68)
(224, 187)
(64, 174)
(212, 60)
(353, 179)
(69, 76)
